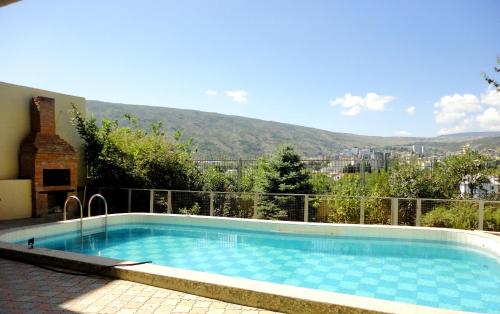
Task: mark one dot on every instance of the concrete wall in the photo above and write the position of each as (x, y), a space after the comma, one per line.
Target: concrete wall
(15, 126)
(15, 199)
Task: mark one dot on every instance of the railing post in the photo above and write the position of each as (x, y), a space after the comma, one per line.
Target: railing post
(394, 211)
(419, 212)
(99, 191)
(169, 202)
(255, 209)
(151, 200)
(306, 208)
(362, 210)
(212, 194)
(480, 222)
(129, 201)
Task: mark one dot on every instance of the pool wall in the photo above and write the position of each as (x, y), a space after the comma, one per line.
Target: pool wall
(236, 290)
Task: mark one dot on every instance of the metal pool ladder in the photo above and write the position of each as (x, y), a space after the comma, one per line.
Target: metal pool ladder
(105, 208)
(69, 198)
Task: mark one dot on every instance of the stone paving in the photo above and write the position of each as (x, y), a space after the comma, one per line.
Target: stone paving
(29, 289)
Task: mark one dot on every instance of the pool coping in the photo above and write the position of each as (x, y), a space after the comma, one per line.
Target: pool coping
(272, 296)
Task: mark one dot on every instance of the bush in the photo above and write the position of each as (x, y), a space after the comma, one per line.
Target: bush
(344, 210)
(127, 156)
(461, 215)
(491, 218)
(232, 205)
(271, 210)
(344, 204)
(194, 210)
(377, 211)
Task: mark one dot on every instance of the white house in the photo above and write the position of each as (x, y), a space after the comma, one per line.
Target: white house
(491, 187)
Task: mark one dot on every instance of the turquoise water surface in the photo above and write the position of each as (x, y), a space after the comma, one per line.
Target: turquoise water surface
(420, 272)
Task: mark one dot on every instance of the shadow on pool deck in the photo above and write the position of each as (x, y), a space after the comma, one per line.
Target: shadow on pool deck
(26, 288)
(15, 223)
(29, 289)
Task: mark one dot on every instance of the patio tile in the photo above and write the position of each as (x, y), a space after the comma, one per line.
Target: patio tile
(28, 289)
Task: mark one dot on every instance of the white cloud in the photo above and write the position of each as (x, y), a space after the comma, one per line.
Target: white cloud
(491, 97)
(210, 92)
(489, 119)
(458, 113)
(462, 126)
(238, 96)
(354, 104)
(411, 110)
(453, 109)
(352, 111)
(403, 133)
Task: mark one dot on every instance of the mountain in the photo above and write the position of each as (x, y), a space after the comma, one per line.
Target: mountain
(223, 135)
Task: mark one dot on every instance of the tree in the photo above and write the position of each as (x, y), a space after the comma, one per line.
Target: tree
(345, 202)
(492, 81)
(408, 179)
(215, 179)
(283, 172)
(451, 171)
(127, 156)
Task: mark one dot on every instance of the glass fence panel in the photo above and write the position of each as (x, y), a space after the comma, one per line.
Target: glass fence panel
(140, 201)
(191, 203)
(237, 205)
(280, 207)
(407, 212)
(319, 208)
(334, 209)
(117, 200)
(160, 202)
(491, 216)
(460, 214)
(378, 211)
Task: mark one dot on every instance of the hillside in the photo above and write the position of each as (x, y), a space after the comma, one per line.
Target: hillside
(218, 134)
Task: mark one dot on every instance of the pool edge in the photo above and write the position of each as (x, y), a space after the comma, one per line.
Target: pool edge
(270, 296)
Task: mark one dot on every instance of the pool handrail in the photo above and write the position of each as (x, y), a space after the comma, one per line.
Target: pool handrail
(105, 207)
(69, 198)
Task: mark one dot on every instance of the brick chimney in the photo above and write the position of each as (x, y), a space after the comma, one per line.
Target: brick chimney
(48, 160)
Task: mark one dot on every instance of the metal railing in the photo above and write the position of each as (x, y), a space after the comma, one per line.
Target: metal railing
(80, 207)
(99, 196)
(465, 214)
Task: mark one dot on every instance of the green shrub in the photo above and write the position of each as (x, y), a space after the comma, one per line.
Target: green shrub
(271, 210)
(233, 205)
(344, 210)
(194, 210)
(461, 215)
(491, 219)
(127, 156)
(377, 211)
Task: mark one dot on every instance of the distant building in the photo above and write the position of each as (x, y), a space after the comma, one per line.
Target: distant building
(364, 153)
(354, 151)
(418, 149)
(489, 188)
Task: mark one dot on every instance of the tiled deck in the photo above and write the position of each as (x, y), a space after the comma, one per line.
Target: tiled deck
(26, 288)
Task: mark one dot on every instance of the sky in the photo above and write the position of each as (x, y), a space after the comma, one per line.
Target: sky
(407, 68)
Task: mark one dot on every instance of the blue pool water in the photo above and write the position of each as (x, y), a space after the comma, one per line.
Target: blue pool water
(420, 272)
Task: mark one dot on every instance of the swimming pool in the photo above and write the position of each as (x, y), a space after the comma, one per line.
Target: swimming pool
(436, 273)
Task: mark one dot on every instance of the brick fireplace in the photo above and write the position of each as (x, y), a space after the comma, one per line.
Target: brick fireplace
(48, 160)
